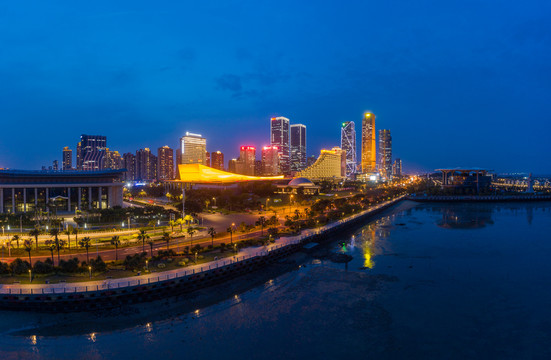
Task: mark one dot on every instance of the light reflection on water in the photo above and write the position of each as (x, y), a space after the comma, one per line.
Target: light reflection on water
(472, 279)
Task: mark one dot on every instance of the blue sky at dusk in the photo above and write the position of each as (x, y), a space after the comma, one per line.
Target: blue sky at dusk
(458, 83)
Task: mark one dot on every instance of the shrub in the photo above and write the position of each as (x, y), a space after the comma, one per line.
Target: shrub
(161, 265)
(43, 267)
(4, 268)
(69, 266)
(135, 262)
(98, 265)
(19, 266)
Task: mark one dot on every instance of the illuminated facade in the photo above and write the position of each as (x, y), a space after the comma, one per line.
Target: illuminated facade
(331, 164)
(112, 160)
(348, 144)
(129, 163)
(397, 168)
(90, 152)
(201, 174)
(217, 160)
(59, 191)
(193, 149)
(246, 162)
(369, 146)
(232, 165)
(385, 154)
(67, 158)
(279, 136)
(165, 163)
(270, 160)
(298, 147)
(146, 165)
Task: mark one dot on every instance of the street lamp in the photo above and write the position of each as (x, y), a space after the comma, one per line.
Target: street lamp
(30, 276)
(90, 271)
(147, 265)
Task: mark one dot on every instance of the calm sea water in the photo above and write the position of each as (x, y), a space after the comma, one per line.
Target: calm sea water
(426, 281)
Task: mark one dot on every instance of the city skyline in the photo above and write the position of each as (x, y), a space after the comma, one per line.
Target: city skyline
(421, 85)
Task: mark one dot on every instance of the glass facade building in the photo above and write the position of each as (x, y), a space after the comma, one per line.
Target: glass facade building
(279, 136)
(298, 147)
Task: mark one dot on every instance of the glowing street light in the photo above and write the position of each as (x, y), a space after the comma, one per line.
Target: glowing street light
(90, 271)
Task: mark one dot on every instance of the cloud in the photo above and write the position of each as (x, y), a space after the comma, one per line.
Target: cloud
(230, 82)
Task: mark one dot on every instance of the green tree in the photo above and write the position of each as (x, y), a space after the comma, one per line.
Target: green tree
(230, 230)
(166, 238)
(211, 231)
(28, 244)
(151, 242)
(115, 241)
(190, 232)
(35, 233)
(68, 232)
(261, 222)
(55, 233)
(85, 242)
(16, 238)
(172, 223)
(50, 245)
(143, 237)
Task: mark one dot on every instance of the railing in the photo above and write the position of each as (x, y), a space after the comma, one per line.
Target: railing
(179, 274)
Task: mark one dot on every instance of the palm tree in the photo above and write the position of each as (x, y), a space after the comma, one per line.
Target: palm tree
(28, 244)
(75, 231)
(180, 222)
(16, 238)
(115, 240)
(166, 237)
(151, 242)
(143, 236)
(68, 232)
(172, 223)
(55, 233)
(262, 222)
(50, 245)
(85, 243)
(230, 230)
(191, 231)
(8, 244)
(35, 232)
(211, 232)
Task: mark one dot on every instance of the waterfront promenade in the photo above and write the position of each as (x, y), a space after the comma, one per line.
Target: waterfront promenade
(482, 198)
(159, 277)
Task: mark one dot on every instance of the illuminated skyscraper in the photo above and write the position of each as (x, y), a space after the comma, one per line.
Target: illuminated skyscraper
(217, 160)
(232, 165)
(67, 161)
(112, 160)
(298, 147)
(146, 165)
(270, 161)
(385, 154)
(91, 150)
(129, 163)
(397, 168)
(193, 149)
(279, 136)
(369, 145)
(207, 158)
(165, 163)
(348, 144)
(245, 163)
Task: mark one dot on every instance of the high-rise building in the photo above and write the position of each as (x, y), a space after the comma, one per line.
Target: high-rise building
(311, 160)
(279, 136)
(245, 163)
(385, 154)
(270, 161)
(67, 161)
(397, 168)
(165, 163)
(146, 165)
(369, 145)
(258, 167)
(207, 158)
(217, 160)
(55, 165)
(348, 144)
(232, 165)
(298, 147)
(129, 163)
(91, 151)
(331, 164)
(112, 160)
(193, 148)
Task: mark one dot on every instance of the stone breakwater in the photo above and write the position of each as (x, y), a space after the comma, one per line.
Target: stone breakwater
(94, 295)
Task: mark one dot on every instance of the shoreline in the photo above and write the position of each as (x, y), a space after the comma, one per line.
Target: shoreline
(480, 198)
(98, 295)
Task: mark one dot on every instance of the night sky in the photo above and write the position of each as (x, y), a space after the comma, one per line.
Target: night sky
(458, 83)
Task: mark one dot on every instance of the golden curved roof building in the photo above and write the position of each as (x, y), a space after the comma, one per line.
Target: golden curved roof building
(201, 174)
